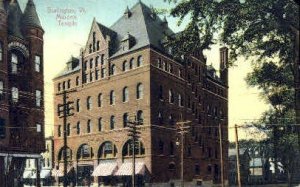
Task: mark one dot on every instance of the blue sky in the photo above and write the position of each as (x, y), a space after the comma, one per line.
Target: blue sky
(60, 42)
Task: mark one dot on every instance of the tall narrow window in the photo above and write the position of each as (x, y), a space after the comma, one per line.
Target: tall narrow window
(161, 147)
(1, 88)
(77, 81)
(59, 131)
(125, 119)
(125, 66)
(139, 91)
(15, 94)
(69, 84)
(140, 117)
(102, 59)
(139, 61)
(125, 94)
(100, 100)
(112, 122)
(100, 124)
(160, 93)
(97, 61)
(78, 128)
(159, 64)
(2, 128)
(171, 96)
(91, 63)
(68, 129)
(103, 72)
(89, 103)
(180, 100)
(37, 61)
(171, 148)
(14, 63)
(1, 52)
(131, 62)
(78, 105)
(38, 98)
(64, 85)
(89, 126)
(112, 97)
(113, 69)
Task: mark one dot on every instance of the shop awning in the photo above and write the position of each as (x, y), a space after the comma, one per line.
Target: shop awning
(27, 174)
(105, 169)
(126, 169)
(60, 171)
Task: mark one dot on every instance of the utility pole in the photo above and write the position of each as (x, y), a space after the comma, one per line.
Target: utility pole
(221, 155)
(134, 134)
(182, 130)
(237, 156)
(66, 113)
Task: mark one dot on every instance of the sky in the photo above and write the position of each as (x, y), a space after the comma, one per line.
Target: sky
(67, 24)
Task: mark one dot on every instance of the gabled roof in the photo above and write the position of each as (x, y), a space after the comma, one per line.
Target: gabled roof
(106, 31)
(30, 17)
(146, 29)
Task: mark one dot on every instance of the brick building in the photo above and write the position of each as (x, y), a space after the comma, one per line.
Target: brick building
(21, 88)
(125, 71)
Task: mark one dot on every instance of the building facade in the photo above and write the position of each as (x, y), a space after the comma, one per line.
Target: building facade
(124, 73)
(21, 89)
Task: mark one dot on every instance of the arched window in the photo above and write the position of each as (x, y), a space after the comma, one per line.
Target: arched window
(127, 148)
(59, 87)
(78, 127)
(62, 152)
(131, 62)
(139, 91)
(140, 117)
(139, 61)
(69, 84)
(15, 94)
(107, 150)
(112, 97)
(78, 105)
(171, 96)
(112, 122)
(125, 119)
(1, 52)
(77, 81)
(125, 94)
(160, 147)
(172, 166)
(68, 129)
(100, 124)
(84, 152)
(89, 126)
(14, 63)
(113, 69)
(100, 100)
(125, 66)
(64, 85)
(89, 103)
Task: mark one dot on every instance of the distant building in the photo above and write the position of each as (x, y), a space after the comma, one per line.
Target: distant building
(244, 166)
(125, 71)
(21, 89)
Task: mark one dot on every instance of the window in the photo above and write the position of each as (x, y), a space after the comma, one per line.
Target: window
(189, 151)
(139, 61)
(160, 93)
(89, 126)
(91, 63)
(112, 122)
(59, 131)
(171, 148)
(160, 118)
(171, 68)
(90, 49)
(98, 45)
(140, 117)
(15, 94)
(78, 127)
(69, 84)
(38, 98)
(180, 100)
(127, 148)
(78, 105)
(102, 59)
(100, 100)
(161, 147)
(100, 124)
(125, 66)
(97, 74)
(197, 169)
(180, 73)
(64, 85)
(2, 128)
(97, 61)
(84, 152)
(1, 52)
(59, 87)
(107, 150)
(68, 129)
(131, 62)
(85, 65)
(159, 63)
(113, 69)
(112, 97)
(125, 94)
(89, 103)
(77, 81)
(125, 119)
(1, 88)
(172, 167)
(91, 76)
(103, 72)
(139, 91)
(37, 61)
(171, 119)
(14, 63)
(171, 96)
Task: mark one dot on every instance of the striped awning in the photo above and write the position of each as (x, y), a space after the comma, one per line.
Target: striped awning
(60, 171)
(27, 174)
(126, 169)
(105, 169)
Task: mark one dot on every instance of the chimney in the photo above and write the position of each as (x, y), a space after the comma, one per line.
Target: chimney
(224, 65)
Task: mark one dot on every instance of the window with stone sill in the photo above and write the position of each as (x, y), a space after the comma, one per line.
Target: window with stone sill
(125, 94)
(160, 93)
(140, 61)
(125, 120)
(69, 84)
(14, 63)
(37, 61)
(89, 103)
(140, 117)
(112, 98)
(125, 66)
(131, 63)
(171, 96)
(38, 98)
(139, 91)
(15, 94)
(64, 85)
(97, 61)
(97, 74)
